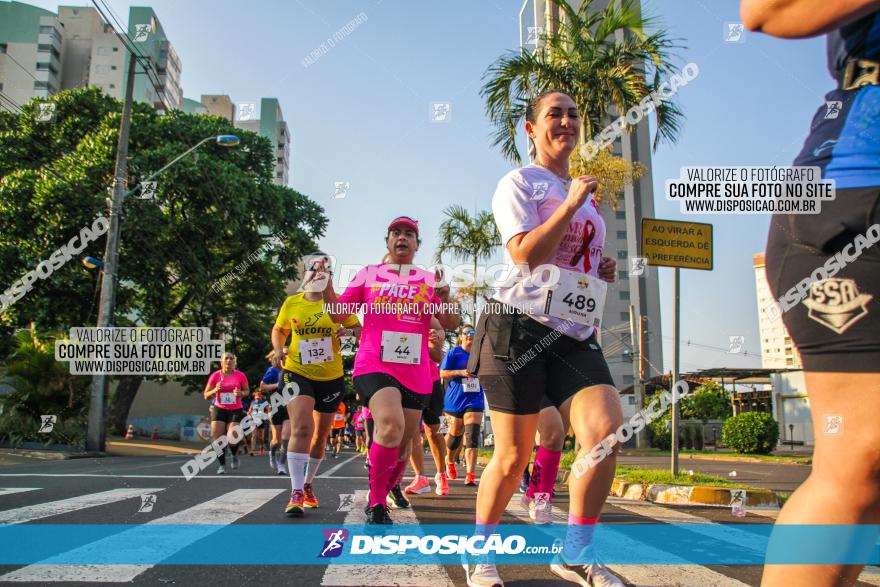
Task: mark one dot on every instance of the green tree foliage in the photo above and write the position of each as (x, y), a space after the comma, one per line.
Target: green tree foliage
(708, 402)
(473, 238)
(41, 386)
(213, 217)
(596, 56)
(751, 432)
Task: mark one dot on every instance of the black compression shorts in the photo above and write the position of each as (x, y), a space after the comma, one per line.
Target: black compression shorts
(833, 322)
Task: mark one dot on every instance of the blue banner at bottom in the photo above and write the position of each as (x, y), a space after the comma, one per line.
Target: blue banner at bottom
(518, 544)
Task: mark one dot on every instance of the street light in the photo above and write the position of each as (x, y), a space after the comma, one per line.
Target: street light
(222, 140)
(95, 436)
(92, 263)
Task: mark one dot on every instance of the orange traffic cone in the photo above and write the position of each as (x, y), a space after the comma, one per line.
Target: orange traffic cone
(155, 434)
(129, 434)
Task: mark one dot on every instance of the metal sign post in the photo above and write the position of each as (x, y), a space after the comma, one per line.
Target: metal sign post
(688, 245)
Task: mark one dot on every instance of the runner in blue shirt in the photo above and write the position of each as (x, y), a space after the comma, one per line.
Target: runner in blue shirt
(464, 406)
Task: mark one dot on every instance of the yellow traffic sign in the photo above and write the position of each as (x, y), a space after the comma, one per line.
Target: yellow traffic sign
(670, 243)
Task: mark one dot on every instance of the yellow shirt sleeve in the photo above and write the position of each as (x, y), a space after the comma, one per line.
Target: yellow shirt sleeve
(284, 314)
(352, 320)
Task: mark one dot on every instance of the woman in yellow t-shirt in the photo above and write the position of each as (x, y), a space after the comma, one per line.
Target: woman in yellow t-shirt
(312, 375)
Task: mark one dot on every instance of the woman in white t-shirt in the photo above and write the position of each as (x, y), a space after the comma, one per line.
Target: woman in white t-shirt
(534, 341)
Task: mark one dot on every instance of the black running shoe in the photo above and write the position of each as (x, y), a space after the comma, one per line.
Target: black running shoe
(396, 499)
(378, 514)
(524, 481)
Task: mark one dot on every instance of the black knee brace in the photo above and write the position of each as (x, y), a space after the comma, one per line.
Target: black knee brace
(472, 436)
(453, 442)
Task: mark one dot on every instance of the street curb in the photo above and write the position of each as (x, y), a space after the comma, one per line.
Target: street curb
(701, 495)
(156, 447)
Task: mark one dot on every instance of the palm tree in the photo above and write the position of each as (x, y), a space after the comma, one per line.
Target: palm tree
(584, 56)
(467, 237)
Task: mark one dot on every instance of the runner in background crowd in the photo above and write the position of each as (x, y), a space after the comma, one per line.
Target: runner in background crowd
(313, 370)
(280, 421)
(225, 388)
(464, 405)
(259, 411)
(357, 421)
(337, 430)
(537, 485)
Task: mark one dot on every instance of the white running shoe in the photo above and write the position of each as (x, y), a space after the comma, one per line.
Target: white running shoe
(282, 468)
(540, 509)
(482, 576)
(234, 464)
(593, 575)
(221, 470)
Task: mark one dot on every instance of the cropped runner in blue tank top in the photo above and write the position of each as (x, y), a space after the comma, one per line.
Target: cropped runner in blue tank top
(836, 326)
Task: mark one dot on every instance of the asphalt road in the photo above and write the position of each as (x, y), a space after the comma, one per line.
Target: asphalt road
(34, 492)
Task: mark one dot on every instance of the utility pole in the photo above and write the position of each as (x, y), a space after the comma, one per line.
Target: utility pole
(636, 365)
(97, 422)
(673, 379)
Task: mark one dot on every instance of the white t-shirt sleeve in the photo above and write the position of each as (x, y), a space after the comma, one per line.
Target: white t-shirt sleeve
(513, 207)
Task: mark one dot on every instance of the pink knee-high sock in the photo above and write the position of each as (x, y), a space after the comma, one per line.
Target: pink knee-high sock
(396, 475)
(382, 463)
(544, 471)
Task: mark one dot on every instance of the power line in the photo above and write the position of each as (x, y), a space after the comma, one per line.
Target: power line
(23, 68)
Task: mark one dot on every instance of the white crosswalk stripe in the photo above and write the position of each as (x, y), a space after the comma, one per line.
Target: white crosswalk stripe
(11, 490)
(148, 540)
(697, 524)
(676, 574)
(64, 506)
(367, 575)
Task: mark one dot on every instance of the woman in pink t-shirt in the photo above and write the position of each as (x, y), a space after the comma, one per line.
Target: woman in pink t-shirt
(225, 388)
(392, 373)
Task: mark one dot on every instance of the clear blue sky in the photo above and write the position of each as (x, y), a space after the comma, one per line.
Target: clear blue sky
(361, 114)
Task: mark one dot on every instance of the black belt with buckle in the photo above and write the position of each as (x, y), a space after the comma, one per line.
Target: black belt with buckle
(858, 73)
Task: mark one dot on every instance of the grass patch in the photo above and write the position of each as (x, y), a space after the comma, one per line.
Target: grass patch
(664, 477)
(647, 452)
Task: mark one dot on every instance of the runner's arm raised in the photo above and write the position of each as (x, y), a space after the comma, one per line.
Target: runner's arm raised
(537, 245)
(210, 391)
(796, 19)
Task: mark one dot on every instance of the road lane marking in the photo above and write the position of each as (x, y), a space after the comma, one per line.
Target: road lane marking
(149, 539)
(695, 524)
(335, 468)
(65, 506)
(382, 574)
(11, 490)
(210, 476)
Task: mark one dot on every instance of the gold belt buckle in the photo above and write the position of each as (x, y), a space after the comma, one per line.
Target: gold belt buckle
(868, 74)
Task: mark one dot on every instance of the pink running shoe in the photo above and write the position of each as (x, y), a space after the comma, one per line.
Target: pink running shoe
(419, 485)
(442, 484)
